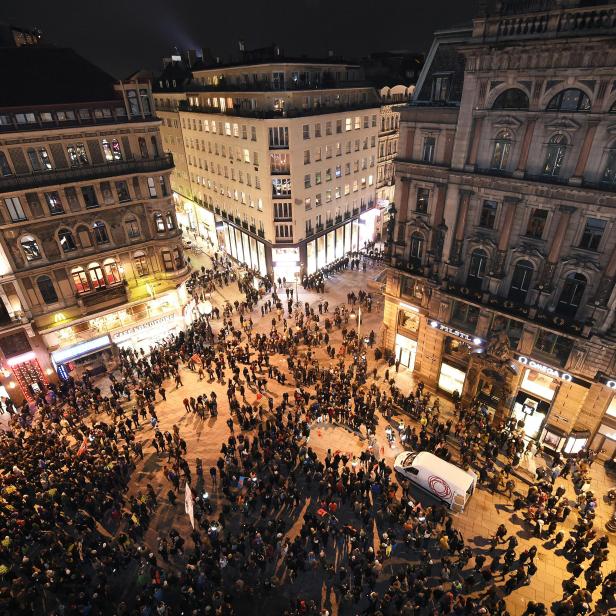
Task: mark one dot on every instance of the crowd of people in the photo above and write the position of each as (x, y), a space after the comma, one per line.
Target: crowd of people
(74, 526)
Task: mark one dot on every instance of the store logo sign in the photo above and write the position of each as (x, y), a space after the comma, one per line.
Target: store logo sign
(452, 331)
(553, 372)
(127, 333)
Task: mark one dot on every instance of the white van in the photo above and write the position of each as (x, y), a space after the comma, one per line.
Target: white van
(437, 477)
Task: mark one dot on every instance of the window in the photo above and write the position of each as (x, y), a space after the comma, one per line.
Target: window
(328, 175)
(5, 168)
(502, 150)
(570, 100)
(67, 241)
(111, 271)
(307, 181)
(167, 261)
(152, 187)
(282, 211)
(143, 148)
(159, 223)
(106, 192)
(555, 155)
(477, 269)
(338, 126)
(89, 196)
(31, 248)
(440, 88)
(100, 233)
(253, 133)
(170, 221)
(146, 104)
(53, 203)
(122, 189)
(281, 187)
(77, 155)
(163, 186)
(465, 315)
(328, 128)
(416, 250)
(306, 131)
(520, 281)
(593, 232)
(338, 171)
(488, 214)
(571, 295)
(279, 163)
(609, 173)
(47, 290)
(284, 231)
(141, 264)
(80, 280)
(97, 278)
(423, 198)
(132, 228)
(111, 150)
(16, 212)
(553, 345)
(133, 102)
(306, 157)
(317, 130)
(536, 223)
(514, 329)
(39, 159)
(427, 154)
(348, 124)
(514, 98)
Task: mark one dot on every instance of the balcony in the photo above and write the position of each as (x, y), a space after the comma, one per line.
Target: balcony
(103, 295)
(309, 232)
(277, 195)
(319, 227)
(27, 181)
(284, 240)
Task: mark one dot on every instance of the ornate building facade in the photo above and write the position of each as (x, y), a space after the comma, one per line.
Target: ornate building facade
(504, 247)
(90, 250)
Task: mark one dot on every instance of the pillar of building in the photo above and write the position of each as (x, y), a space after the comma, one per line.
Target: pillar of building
(474, 149)
(458, 241)
(606, 284)
(580, 167)
(556, 246)
(407, 143)
(509, 207)
(401, 197)
(525, 148)
(439, 228)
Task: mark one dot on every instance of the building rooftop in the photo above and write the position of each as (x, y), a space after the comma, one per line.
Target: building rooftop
(44, 75)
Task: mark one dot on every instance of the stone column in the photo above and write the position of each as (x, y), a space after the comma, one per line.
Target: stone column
(578, 174)
(456, 250)
(509, 207)
(401, 197)
(438, 222)
(526, 141)
(472, 154)
(407, 141)
(556, 245)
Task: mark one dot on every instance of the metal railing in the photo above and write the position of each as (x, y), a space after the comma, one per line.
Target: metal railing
(86, 172)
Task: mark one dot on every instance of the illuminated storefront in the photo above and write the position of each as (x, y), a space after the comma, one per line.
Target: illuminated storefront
(333, 245)
(243, 247)
(286, 263)
(408, 325)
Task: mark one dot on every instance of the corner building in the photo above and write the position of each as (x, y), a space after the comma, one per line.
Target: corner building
(504, 248)
(280, 158)
(91, 253)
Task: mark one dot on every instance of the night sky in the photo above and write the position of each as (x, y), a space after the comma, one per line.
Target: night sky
(124, 35)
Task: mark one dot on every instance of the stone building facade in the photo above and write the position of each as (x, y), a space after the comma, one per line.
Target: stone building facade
(504, 248)
(91, 253)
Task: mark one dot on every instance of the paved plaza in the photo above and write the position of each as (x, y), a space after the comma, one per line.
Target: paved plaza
(484, 512)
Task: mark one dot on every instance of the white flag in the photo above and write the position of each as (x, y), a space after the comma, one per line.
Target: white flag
(188, 505)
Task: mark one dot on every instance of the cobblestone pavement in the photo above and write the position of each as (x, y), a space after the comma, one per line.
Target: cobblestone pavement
(484, 512)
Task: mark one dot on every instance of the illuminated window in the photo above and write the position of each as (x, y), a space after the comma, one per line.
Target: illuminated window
(141, 264)
(77, 154)
(80, 280)
(159, 223)
(112, 273)
(67, 241)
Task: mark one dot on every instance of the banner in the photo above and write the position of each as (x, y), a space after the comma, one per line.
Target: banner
(188, 505)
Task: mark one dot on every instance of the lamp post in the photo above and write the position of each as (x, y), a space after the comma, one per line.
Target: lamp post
(357, 316)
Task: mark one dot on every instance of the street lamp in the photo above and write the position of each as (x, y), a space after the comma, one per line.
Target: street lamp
(357, 316)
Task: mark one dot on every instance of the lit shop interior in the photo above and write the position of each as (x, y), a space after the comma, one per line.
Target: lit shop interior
(90, 343)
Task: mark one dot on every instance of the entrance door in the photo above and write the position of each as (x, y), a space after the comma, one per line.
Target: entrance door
(406, 351)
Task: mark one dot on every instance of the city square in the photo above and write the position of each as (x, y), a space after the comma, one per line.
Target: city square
(324, 326)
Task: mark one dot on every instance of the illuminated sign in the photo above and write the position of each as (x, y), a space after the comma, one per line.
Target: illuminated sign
(78, 350)
(452, 331)
(20, 359)
(131, 331)
(535, 365)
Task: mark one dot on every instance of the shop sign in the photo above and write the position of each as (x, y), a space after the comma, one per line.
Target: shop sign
(131, 331)
(553, 372)
(285, 255)
(452, 331)
(63, 355)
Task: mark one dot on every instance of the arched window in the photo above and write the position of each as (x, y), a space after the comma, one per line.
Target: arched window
(167, 260)
(132, 228)
(555, 155)
(520, 281)
(477, 269)
(416, 251)
(609, 172)
(159, 222)
(502, 150)
(111, 271)
(141, 263)
(31, 248)
(133, 102)
(100, 232)
(80, 280)
(67, 241)
(514, 98)
(47, 290)
(569, 100)
(571, 295)
(170, 221)
(143, 148)
(97, 279)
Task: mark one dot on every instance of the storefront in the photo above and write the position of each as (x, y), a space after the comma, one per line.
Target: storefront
(243, 247)
(206, 225)
(555, 439)
(147, 334)
(93, 355)
(333, 245)
(286, 263)
(408, 324)
(451, 378)
(533, 400)
(406, 351)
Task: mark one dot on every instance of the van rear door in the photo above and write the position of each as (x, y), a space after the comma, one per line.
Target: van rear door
(458, 502)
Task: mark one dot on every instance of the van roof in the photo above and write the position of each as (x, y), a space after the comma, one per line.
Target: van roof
(444, 469)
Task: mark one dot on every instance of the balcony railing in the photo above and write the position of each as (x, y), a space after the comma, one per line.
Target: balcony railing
(104, 294)
(87, 172)
(267, 85)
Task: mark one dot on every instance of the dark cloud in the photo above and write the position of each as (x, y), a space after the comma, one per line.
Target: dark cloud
(123, 35)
